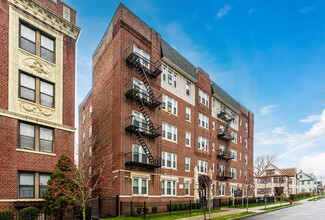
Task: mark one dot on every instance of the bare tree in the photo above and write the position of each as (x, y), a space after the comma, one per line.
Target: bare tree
(262, 162)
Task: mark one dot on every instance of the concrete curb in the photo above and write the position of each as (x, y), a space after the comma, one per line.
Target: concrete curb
(261, 213)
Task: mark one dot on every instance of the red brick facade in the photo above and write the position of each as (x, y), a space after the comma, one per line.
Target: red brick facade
(111, 110)
(14, 160)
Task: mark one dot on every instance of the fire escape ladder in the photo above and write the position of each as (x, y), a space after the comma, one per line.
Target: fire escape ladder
(144, 146)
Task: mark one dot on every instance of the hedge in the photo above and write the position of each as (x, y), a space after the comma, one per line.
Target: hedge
(299, 196)
(183, 206)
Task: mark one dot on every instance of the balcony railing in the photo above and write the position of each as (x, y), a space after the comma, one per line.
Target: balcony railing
(224, 115)
(224, 175)
(222, 134)
(224, 155)
(133, 91)
(141, 160)
(151, 68)
(135, 124)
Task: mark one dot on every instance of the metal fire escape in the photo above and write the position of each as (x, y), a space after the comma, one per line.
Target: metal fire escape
(225, 136)
(144, 67)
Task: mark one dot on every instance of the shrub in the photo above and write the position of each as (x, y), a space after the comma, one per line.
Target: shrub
(181, 206)
(29, 213)
(194, 205)
(6, 215)
(199, 205)
(139, 210)
(154, 209)
(187, 206)
(169, 207)
(299, 196)
(176, 207)
(145, 210)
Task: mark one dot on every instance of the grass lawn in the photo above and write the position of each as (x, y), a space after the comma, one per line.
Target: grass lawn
(234, 215)
(280, 206)
(250, 205)
(175, 215)
(316, 198)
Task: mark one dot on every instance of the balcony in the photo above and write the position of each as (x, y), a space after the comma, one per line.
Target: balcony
(134, 91)
(133, 58)
(223, 176)
(141, 160)
(135, 124)
(224, 135)
(222, 114)
(225, 156)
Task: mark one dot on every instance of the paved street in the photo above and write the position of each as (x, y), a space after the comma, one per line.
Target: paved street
(307, 210)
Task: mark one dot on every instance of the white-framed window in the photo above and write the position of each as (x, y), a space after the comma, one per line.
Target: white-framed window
(233, 172)
(203, 121)
(222, 129)
(139, 155)
(213, 102)
(90, 110)
(83, 119)
(239, 173)
(203, 98)
(170, 77)
(187, 188)
(241, 122)
(221, 169)
(187, 164)
(139, 186)
(222, 150)
(232, 190)
(187, 139)
(222, 190)
(213, 125)
(144, 55)
(246, 127)
(168, 188)
(203, 143)
(90, 150)
(240, 139)
(234, 136)
(233, 154)
(246, 159)
(202, 166)
(212, 167)
(175, 80)
(245, 175)
(188, 88)
(164, 73)
(83, 137)
(90, 131)
(169, 132)
(141, 88)
(169, 160)
(212, 146)
(139, 121)
(240, 156)
(245, 143)
(188, 114)
(169, 104)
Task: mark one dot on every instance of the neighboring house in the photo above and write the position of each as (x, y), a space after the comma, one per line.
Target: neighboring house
(307, 182)
(320, 187)
(273, 181)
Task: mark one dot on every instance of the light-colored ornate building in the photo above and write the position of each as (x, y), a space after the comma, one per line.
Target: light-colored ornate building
(273, 181)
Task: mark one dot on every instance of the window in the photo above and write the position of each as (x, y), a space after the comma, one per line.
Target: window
(245, 175)
(203, 121)
(187, 139)
(233, 135)
(164, 74)
(169, 160)
(170, 77)
(36, 43)
(232, 190)
(139, 155)
(245, 143)
(43, 179)
(175, 80)
(203, 143)
(145, 57)
(90, 131)
(188, 114)
(213, 125)
(141, 88)
(83, 137)
(187, 163)
(188, 88)
(139, 186)
(269, 172)
(222, 190)
(222, 129)
(203, 98)
(169, 132)
(169, 104)
(202, 166)
(28, 91)
(168, 188)
(187, 188)
(240, 122)
(233, 154)
(239, 173)
(35, 137)
(83, 119)
(26, 185)
(240, 156)
(212, 146)
(140, 122)
(90, 151)
(240, 139)
(221, 170)
(212, 167)
(246, 127)
(90, 110)
(246, 159)
(222, 150)
(233, 173)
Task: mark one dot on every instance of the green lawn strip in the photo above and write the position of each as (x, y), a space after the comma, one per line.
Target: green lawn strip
(250, 206)
(317, 198)
(175, 214)
(280, 206)
(234, 215)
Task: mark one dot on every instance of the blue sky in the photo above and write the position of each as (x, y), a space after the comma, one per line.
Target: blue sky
(268, 55)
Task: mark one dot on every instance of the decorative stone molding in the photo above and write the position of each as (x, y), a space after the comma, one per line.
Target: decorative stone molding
(48, 16)
(36, 110)
(196, 183)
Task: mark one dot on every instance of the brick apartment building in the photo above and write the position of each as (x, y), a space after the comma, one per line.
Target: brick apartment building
(163, 120)
(37, 95)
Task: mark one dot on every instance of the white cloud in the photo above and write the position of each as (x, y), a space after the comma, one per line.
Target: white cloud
(313, 164)
(223, 11)
(311, 119)
(207, 27)
(252, 10)
(267, 109)
(306, 10)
